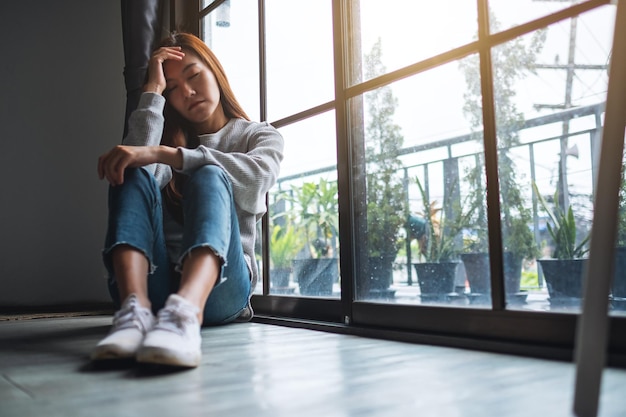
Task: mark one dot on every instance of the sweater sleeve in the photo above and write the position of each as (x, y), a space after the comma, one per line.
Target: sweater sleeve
(252, 173)
(145, 128)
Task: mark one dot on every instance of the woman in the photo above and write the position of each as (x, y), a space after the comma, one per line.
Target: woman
(183, 214)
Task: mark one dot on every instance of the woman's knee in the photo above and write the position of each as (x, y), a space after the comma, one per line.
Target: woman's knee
(136, 180)
(137, 175)
(209, 174)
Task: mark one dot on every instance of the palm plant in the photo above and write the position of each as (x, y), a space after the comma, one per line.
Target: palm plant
(442, 232)
(285, 243)
(563, 230)
(316, 206)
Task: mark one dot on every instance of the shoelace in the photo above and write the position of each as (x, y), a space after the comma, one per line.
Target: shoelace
(175, 319)
(131, 315)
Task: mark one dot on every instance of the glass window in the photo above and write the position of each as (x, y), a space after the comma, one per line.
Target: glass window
(304, 219)
(417, 156)
(231, 31)
(414, 30)
(549, 88)
(511, 14)
(299, 56)
(425, 187)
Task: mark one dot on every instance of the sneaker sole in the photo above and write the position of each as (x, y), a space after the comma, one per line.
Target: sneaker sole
(160, 356)
(110, 352)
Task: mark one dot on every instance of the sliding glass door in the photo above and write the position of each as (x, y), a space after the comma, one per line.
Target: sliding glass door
(440, 159)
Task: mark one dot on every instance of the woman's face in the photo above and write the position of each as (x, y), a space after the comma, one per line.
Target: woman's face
(193, 91)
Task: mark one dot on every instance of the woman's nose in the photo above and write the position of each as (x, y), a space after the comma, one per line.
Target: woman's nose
(188, 91)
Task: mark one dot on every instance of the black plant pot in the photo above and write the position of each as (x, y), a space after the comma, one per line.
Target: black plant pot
(512, 273)
(316, 276)
(279, 278)
(381, 272)
(381, 277)
(436, 280)
(479, 276)
(477, 270)
(564, 281)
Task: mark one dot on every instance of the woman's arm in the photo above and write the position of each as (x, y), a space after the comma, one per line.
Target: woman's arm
(112, 164)
(140, 147)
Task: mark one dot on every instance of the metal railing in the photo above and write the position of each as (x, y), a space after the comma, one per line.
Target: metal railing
(450, 162)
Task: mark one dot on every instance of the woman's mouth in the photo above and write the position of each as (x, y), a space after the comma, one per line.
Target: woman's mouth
(194, 105)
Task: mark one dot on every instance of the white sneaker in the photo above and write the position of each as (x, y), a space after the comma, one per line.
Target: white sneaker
(130, 325)
(175, 339)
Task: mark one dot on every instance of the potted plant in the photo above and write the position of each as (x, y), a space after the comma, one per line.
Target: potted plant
(316, 209)
(436, 271)
(285, 244)
(385, 219)
(386, 196)
(518, 242)
(511, 62)
(563, 273)
(475, 251)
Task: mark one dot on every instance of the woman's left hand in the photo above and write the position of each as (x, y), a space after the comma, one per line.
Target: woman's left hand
(112, 164)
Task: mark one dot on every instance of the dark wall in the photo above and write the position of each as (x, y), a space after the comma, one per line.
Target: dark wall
(61, 105)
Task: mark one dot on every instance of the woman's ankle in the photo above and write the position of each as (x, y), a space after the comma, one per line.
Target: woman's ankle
(142, 299)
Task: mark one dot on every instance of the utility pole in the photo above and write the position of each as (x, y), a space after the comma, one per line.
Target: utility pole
(562, 186)
(570, 68)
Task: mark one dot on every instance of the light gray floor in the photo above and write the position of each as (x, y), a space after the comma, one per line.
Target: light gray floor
(252, 370)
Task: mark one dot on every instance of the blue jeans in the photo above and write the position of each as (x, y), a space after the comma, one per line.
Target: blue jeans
(136, 219)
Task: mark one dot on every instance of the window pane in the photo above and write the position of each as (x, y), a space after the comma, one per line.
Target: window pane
(548, 117)
(414, 30)
(511, 14)
(425, 188)
(231, 31)
(304, 246)
(299, 56)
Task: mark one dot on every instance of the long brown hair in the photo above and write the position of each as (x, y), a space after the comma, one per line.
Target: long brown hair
(177, 131)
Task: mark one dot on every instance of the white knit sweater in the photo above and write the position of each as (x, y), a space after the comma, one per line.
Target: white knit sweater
(249, 153)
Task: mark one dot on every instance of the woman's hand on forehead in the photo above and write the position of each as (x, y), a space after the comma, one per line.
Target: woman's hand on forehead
(156, 77)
